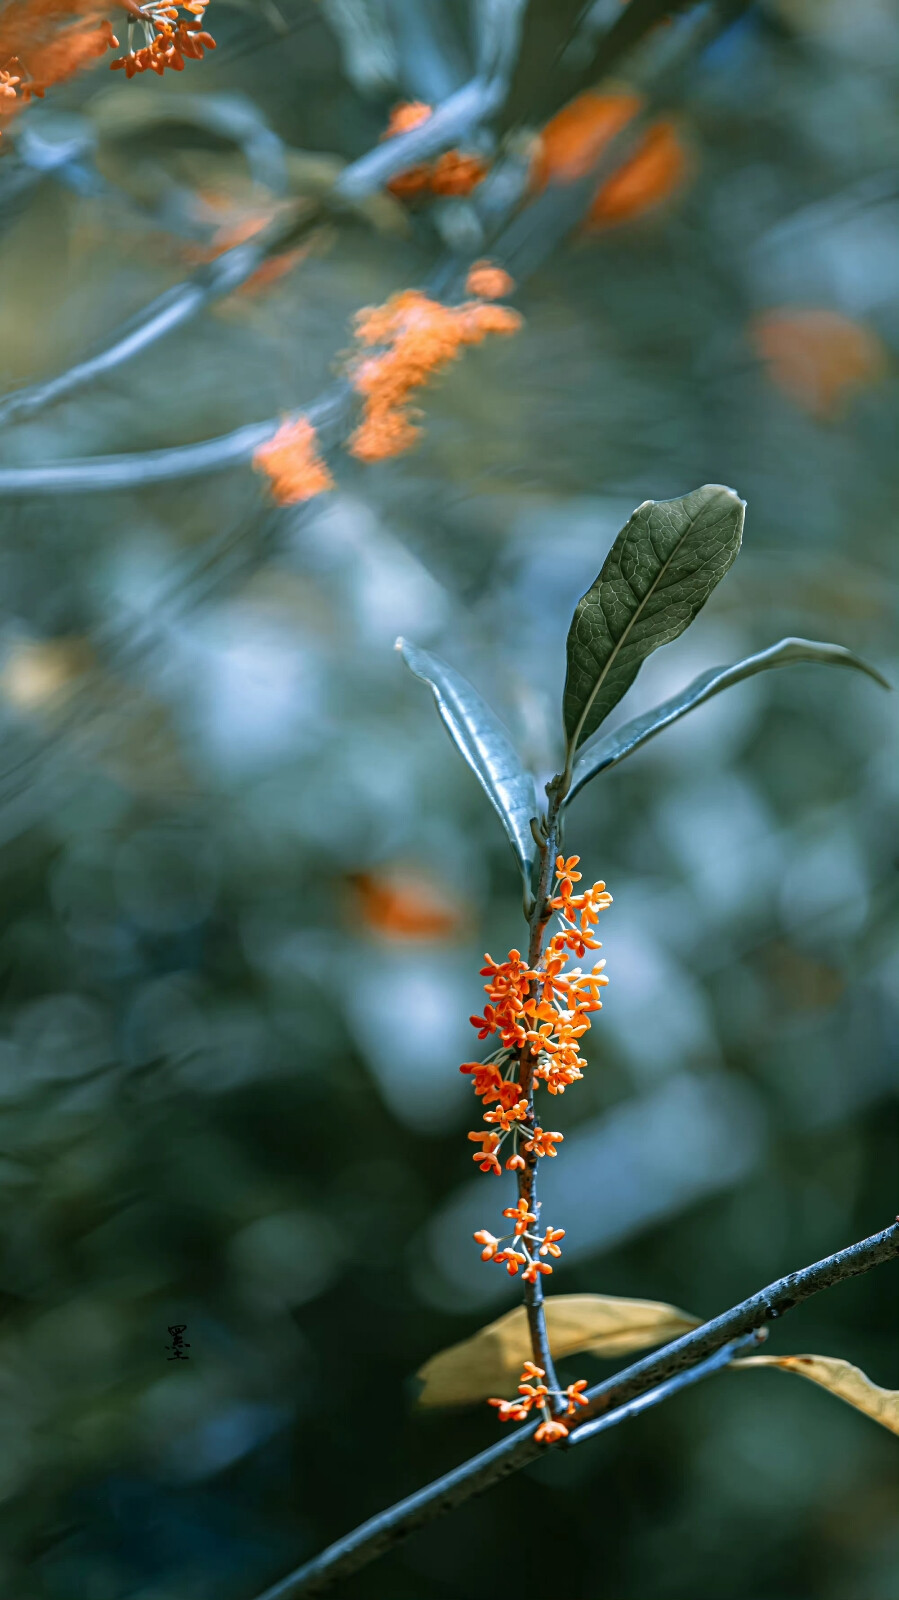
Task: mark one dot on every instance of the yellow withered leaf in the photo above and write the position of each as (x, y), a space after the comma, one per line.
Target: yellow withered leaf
(490, 1362)
(849, 1383)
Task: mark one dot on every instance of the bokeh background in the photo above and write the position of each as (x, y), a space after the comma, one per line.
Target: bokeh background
(246, 881)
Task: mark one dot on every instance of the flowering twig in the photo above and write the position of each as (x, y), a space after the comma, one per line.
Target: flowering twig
(540, 1012)
(383, 1532)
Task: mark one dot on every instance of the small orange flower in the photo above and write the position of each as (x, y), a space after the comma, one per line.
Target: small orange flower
(548, 1244)
(415, 180)
(456, 173)
(8, 80)
(453, 173)
(489, 1241)
(543, 1143)
(523, 1217)
(485, 1024)
(534, 1393)
(513, 1259)
(550, 1432)
(510, 1410)
(486, 1078)
(488, 282)
(565, 869)
(506, 1118)
(405, 116)
(576, 1397)
(292, 464)
(534, 1268)
(486, 1156)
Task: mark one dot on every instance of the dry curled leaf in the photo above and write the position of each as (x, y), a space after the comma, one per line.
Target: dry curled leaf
(844, 1380)
(490, 1361)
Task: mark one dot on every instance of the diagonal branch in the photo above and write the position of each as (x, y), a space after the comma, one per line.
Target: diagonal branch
(685, 1355)
(162, 316)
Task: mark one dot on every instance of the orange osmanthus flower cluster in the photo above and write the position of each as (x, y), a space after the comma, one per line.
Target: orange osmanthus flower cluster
(535, 1397)
(455, 172)
(292, 464)
(45, 42)
(542, 1013)
(417, 337)
(168, 38)
(405, 342)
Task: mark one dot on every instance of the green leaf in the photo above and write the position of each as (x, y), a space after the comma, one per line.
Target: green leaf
(607, 752)
(482, 740)
(657, 576)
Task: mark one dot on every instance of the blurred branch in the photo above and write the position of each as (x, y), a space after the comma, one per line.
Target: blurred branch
(367, 46)
(168, 312)
(647, 1380)
(432, 60)
(594, 53)
(497, 37)
(328, 416)
(663, 1391)
(498, 26)
(456, 117)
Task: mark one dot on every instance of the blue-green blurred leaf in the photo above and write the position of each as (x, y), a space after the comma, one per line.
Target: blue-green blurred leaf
(480, 737)
(658, 574)
(607, 752)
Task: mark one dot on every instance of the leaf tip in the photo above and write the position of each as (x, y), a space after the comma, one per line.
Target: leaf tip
(729, 494)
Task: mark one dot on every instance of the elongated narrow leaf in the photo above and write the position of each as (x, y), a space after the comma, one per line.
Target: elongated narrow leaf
(490, 1362)
(481, 738)
(608, 751)
(658, 574)
(842, 1379)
